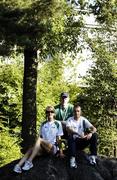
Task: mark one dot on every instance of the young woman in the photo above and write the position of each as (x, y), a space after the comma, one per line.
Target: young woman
(48, 140)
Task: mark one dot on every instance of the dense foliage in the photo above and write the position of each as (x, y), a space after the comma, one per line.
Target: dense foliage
(49, 86)
(9, 144)
(51, 83)
(11, 93)
(99, 100)
(65, 30)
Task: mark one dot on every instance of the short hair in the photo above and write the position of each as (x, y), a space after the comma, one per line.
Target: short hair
(77, 105)
(50, 108)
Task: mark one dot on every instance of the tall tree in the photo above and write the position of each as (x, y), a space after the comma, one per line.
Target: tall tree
(101, 90)
(48, 26)
(35, 25)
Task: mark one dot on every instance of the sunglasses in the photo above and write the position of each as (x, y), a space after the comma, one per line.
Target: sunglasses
(47, 112)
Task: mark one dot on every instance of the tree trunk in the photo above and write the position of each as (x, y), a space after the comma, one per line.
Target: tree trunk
(29, 98)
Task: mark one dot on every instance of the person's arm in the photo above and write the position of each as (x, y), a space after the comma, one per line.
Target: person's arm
(71, 131)
(88, 125)
(59, 142)
(58, 139)
(69, 128)
(92, 130)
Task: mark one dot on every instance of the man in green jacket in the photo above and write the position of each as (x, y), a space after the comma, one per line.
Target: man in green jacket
(63, 111)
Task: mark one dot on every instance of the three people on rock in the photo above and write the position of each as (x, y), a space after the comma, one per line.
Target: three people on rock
(78, 131)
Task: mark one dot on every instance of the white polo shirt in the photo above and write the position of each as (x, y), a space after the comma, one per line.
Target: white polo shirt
(77, 126)
(50, 130)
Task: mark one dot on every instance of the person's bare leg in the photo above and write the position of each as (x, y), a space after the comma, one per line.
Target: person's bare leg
(47, 146)
(26, 156)
(36, 149)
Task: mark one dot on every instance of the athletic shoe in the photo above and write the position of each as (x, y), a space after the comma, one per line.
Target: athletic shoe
(28, 165)
(17, 169)
(92, 160)
(73, 162)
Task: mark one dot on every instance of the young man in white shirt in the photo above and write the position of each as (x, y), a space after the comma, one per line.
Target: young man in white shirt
(50, 135)
(78, 138)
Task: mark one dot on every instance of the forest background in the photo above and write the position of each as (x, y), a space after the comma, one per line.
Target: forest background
(39, 40)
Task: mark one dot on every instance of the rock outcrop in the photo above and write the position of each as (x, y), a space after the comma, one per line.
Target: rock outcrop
(54, 168)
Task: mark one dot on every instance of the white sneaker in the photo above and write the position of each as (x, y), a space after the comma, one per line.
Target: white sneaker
(73, 162)
(92, 159)
(17, 169)
(28, 165)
